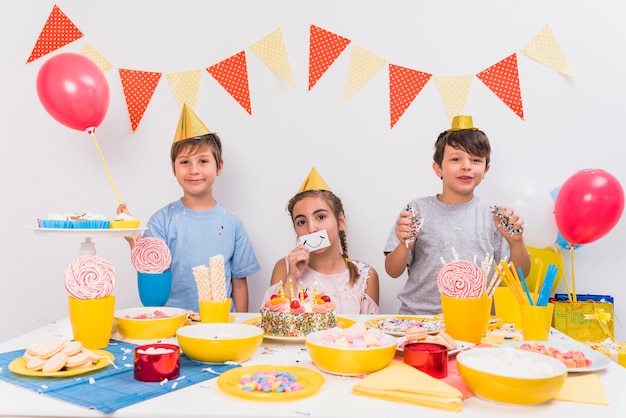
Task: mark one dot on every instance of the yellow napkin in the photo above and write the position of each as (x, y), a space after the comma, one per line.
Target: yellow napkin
(585, 388)
(400, 382)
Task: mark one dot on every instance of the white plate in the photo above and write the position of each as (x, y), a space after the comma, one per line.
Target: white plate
(397, 325)
(599, 361)
(461, 345)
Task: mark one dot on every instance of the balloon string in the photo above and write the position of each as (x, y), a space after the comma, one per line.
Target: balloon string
(571, 256)
(106, 168)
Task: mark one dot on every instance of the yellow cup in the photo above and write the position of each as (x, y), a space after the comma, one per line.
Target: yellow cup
(466, 319)
(92, 320)
(214, 311)
(536, 321)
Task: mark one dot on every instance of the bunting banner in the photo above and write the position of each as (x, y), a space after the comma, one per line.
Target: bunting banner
(454, 91)
(363, 66)
(232, 74)
(57, 32)
(545, 49)
(502, 79)
(404, 86)
(138, 89)
(324, 49)
(185, 87)
(272, 51)
(90, 52)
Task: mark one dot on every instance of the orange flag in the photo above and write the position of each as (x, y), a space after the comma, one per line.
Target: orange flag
(56, 33)
(138, 88)
(325, 47)
(503, 79)
(404, 86)
(232, 74)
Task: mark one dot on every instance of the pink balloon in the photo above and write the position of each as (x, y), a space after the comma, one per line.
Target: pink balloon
(588, 205)
(73, 90)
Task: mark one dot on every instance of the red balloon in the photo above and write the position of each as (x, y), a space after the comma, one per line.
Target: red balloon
(73, 90)
(588, 205)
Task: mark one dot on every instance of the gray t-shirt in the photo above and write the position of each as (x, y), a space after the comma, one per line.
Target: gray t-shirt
(467, 229)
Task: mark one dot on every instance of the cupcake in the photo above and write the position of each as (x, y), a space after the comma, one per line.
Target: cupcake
(124, 220)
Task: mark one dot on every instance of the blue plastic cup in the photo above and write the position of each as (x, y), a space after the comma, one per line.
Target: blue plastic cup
(154, 288)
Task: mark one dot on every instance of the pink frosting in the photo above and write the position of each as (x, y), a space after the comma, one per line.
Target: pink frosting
(297, 310)
(90, 277)
(150, 255)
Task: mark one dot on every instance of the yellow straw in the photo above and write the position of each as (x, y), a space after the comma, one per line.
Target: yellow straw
(509, 280)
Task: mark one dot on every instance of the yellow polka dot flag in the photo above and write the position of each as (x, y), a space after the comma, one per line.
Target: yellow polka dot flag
(185, 87)
(324, 49)
(454, 91)
(57, 32)
(545, 49)
(90, 52)
(272, 51)
(138, 89)
(232, 74)
(404, 86)
(363, 66)
(502, 78)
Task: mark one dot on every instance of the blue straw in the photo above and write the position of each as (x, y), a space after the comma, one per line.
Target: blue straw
(523, 280)
(544, 294)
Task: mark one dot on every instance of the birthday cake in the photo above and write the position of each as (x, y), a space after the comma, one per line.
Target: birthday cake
(283, 316)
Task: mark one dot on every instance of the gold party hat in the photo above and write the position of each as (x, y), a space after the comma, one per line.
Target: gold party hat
(460, 123)
(189, 125)
(314, 182)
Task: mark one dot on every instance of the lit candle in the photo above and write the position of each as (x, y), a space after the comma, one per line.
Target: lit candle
(291, 295)
(314, 290)
(281, 292)
(301, 293)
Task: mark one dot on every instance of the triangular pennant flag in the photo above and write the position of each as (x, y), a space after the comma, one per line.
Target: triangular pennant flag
(324, 48)
(91, 53)
(545, 49)
(363, 66)
(404, 86)
(454, 90)
(185, 86)
(56, 33)
(138, 88)
(503, 79)
(232, 74)
(272, 51)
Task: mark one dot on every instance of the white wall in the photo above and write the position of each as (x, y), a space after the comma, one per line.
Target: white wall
(570, 124)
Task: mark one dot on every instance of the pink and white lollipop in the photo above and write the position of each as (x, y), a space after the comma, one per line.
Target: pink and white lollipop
(151, 255)
(461, 279)
(90, 277)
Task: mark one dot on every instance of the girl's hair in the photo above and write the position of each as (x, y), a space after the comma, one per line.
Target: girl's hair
(474, 142)
(337, 207)
(191, 145)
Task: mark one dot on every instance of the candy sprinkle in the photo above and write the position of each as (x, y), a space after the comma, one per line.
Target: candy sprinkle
(277, 382)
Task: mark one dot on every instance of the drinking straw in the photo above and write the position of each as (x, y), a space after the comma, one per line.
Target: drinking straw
(537, 287)
(547, 285)
(523, 280)
(509, 280)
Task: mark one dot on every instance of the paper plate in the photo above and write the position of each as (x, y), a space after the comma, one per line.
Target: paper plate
(310, 380)
(398, 325)
(461, 345)
(599, 361)
(18, 366)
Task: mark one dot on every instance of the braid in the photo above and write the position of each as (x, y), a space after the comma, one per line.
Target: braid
(354, 273)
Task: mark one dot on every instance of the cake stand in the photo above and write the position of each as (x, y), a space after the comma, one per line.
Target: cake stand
(88, 247)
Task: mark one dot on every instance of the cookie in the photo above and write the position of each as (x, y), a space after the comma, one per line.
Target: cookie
(50, 349)
(35, 363)
(55, 363)
(93, 357)
(72, 347)
(77, 360)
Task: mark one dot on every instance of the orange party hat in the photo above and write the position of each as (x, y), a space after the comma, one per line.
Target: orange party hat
(189, 125)
(313, 182)
(460, 123)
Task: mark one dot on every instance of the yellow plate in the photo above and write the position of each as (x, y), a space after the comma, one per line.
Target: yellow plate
(397, 325)
(310, 380)
(18, 366)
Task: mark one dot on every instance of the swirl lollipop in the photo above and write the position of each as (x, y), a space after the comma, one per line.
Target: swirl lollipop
(90, 277)
(461, 279)
(151, 255)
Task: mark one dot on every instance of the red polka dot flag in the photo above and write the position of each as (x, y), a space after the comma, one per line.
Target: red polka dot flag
(138, 88)
(232, 74)
(325, 47)
(56, 33)
(503, 79)
(404, 86)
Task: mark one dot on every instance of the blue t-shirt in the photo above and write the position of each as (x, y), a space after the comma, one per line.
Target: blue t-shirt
(193, 237)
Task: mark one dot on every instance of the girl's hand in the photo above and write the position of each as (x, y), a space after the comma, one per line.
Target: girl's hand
(298, 260)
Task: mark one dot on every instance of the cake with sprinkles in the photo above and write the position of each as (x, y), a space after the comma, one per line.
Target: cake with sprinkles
(297, 315)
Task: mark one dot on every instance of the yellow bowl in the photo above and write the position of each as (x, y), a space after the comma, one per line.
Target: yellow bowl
(129, 324)
(349, 361)
(219, 342)
(495, 374)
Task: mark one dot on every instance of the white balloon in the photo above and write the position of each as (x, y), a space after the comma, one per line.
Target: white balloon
(534, 204)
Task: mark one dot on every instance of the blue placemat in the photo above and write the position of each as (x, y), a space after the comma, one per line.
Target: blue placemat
(113, 387)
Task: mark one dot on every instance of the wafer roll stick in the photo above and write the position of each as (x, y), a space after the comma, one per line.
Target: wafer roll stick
(217, 278)
(201, 275)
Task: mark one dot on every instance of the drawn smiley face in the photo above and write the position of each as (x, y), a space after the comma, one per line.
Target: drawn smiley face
(315, 241)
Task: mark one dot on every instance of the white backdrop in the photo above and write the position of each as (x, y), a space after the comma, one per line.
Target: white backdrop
(570, 124)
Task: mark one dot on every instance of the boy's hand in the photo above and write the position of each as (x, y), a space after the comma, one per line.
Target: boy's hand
(509, 223)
